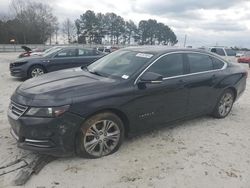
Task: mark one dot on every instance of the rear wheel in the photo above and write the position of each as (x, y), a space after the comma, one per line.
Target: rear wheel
(35, 71)
(224, 104)
(100, 135)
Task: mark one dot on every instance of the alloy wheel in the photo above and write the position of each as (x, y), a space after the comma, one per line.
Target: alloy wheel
(226, 104)
(36, 72)
(101, 138)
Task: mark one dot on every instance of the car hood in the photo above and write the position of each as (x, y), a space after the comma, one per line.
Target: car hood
(26, 48)
(30, 58)
(62, 86)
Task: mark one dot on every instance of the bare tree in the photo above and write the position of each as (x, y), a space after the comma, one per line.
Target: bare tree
(36, 20)
(69, 30)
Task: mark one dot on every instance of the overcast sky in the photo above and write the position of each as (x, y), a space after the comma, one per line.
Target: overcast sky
(205, 22)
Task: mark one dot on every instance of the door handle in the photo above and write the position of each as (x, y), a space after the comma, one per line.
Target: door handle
(181, 81)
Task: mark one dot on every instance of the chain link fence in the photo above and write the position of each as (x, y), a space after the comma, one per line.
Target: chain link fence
(18, 48)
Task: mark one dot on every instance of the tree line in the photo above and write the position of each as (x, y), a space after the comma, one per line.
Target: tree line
(30, 23)
(34, 23)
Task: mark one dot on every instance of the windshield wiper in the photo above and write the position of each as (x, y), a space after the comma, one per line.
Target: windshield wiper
(96, 73)
(93, 72)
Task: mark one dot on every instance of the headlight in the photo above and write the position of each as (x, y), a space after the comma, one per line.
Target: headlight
(20, 63)
(47, 112)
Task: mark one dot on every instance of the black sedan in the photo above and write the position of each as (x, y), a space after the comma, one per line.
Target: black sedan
(56, 59)
(89, 110)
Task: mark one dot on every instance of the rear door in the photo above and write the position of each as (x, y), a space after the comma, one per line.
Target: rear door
(200, 82)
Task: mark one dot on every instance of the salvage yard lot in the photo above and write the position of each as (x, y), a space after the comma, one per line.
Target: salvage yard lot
(204, 152)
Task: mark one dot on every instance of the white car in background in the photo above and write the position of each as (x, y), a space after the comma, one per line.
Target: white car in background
(226, 53)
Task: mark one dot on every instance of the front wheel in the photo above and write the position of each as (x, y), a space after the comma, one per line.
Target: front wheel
(100, 135)
(36, 71)
(224, 104)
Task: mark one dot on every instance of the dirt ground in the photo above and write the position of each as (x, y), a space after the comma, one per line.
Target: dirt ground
(203, 152)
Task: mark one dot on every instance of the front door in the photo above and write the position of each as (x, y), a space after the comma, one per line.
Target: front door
(159, 103)
(64, 59)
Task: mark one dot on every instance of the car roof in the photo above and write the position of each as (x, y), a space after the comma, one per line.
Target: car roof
(72, 47)
(163, 49)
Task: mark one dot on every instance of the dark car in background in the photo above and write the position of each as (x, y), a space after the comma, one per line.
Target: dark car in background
(107, 49)
(56, 59)
(89, 110)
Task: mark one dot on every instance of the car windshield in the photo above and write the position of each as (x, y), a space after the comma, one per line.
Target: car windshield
(230, 52)
(50, 49)
(51, 52)
(121, 64)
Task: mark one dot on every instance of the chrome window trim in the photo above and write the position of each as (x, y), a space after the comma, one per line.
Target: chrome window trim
(183, 75)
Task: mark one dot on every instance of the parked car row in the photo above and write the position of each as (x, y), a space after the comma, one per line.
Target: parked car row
(90, 109)
(226, 53)
(230, 54)
(53, 59)
(245, 58)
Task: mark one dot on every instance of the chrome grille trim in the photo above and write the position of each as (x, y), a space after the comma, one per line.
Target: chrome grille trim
(17, 109)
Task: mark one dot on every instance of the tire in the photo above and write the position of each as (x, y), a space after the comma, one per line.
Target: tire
(35, 71)
(224, 104)
(100, 135)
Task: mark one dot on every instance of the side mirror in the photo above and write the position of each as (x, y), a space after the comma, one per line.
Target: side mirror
(151, 77)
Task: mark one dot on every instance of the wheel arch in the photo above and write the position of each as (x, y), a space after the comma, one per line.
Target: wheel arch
(117, 112)
(234, 91)
(36, 64)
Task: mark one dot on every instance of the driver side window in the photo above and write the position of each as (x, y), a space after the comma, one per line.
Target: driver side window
(168, 66)
(66, 53)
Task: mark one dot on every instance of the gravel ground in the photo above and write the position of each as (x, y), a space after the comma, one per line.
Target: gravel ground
(203, 152)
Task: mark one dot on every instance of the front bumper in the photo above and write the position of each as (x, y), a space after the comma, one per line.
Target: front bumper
(17, 71)
(52, 136)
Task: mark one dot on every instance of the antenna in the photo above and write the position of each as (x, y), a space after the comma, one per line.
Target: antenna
(185, 40)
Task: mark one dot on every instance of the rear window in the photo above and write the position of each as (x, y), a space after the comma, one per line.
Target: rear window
(199, 62)
(218, 64)
(85, 52)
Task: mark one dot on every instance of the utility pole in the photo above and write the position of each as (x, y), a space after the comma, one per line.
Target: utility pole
(185, 40)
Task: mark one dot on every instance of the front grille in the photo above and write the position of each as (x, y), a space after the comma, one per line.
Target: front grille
(17, 64)
(17, 109)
